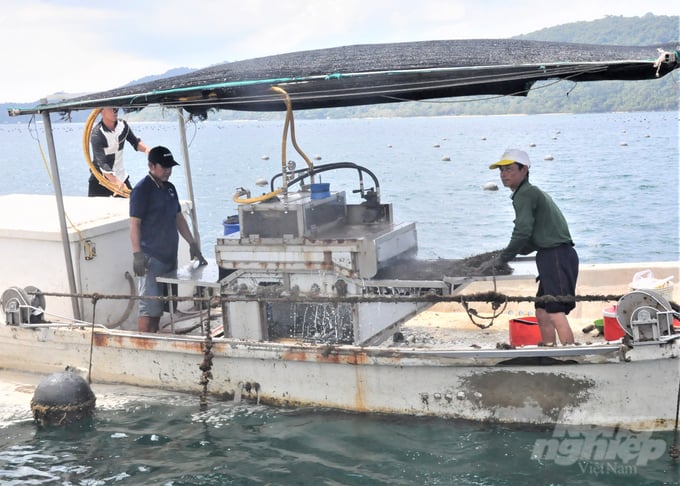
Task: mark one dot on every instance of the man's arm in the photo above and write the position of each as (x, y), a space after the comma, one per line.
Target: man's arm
(142, 147)
(137, 143)
(139, 260)
(194, 248)
(183, 228)
(136, 234)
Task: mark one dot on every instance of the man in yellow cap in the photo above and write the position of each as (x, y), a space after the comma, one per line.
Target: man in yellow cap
(540, 226)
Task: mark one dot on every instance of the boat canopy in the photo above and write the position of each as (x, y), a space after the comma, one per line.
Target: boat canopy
(381, 73)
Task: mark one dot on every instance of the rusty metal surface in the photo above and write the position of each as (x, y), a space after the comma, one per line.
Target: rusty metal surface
(581, 385)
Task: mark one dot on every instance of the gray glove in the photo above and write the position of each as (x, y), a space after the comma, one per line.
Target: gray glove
(195, 254)
(139, 263)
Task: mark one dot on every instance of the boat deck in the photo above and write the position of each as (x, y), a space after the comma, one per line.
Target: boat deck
(439, 328)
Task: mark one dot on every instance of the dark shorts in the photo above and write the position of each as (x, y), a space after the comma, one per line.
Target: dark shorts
(557, 274)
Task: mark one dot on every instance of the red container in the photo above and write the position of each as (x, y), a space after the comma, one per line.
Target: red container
(524, 331)
(612, 329)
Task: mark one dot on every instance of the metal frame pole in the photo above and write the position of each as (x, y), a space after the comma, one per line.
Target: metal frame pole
(56, 182)
(187, 175)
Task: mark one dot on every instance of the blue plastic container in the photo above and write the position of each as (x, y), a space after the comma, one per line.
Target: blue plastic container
(231, 228)
(320, 190)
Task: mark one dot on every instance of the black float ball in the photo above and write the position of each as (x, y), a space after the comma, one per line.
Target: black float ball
(62, 398)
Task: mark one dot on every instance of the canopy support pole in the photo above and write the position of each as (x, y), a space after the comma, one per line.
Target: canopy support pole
(187, 175)
(56, 183)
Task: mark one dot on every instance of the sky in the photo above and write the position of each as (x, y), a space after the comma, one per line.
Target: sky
(77, 46)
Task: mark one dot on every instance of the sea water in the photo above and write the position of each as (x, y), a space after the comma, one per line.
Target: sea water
(615, 176)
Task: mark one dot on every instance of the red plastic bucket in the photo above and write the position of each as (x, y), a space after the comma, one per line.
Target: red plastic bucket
(524, 331)
(612, 329)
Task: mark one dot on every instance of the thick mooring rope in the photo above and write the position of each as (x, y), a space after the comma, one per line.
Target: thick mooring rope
(206, 364)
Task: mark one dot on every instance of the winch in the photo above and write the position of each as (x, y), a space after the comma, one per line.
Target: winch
(23, 305)
(646, 315)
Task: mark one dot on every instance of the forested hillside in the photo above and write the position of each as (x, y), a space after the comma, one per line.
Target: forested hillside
(566, 97)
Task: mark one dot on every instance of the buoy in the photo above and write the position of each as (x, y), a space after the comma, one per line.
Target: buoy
(436, 145)
(446, 159)
(265, 157)
(490, 186)
(261, 182)
(317, 157)
(532, 145)
(624, 144)
(61, 399)
(548, 157)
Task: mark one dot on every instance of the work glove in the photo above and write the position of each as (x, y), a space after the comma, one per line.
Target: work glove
(139, 263)
(195, 254)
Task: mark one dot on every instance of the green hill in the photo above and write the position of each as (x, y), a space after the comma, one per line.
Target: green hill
(562, 97)
(614, 30)
(566, 97)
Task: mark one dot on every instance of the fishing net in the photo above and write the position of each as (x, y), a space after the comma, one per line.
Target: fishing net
(417, 269)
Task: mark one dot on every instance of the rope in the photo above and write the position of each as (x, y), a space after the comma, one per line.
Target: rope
(62, 414)
(206, 365)
(489, 297)
(94, 311)
(473, 312)
(495, 305)
(674, 451)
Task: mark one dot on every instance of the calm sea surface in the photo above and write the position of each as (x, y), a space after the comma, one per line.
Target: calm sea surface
(615, 176)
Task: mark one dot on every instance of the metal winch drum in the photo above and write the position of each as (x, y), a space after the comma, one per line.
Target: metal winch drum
(645, 315)
(22, 306)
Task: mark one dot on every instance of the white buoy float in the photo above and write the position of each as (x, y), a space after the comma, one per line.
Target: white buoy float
(548, 157)
(490, 186)
(446, 159)
(265, 157)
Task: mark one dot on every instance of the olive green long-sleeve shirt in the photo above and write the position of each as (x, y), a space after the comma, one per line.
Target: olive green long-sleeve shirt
(539, 223)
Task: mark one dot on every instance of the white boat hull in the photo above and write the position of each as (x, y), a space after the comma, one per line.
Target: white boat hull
(600, 385)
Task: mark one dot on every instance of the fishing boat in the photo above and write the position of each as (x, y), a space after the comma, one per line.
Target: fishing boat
(314, 301)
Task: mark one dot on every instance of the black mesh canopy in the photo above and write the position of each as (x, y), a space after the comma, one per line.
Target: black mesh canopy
(383, 73)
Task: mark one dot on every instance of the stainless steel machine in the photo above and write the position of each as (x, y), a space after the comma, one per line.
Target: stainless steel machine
(312, 243)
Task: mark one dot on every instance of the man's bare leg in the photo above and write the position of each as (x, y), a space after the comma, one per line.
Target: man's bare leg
(554, 322)
(148, 324)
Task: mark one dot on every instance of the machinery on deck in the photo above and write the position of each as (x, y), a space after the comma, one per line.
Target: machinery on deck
(312, 242)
